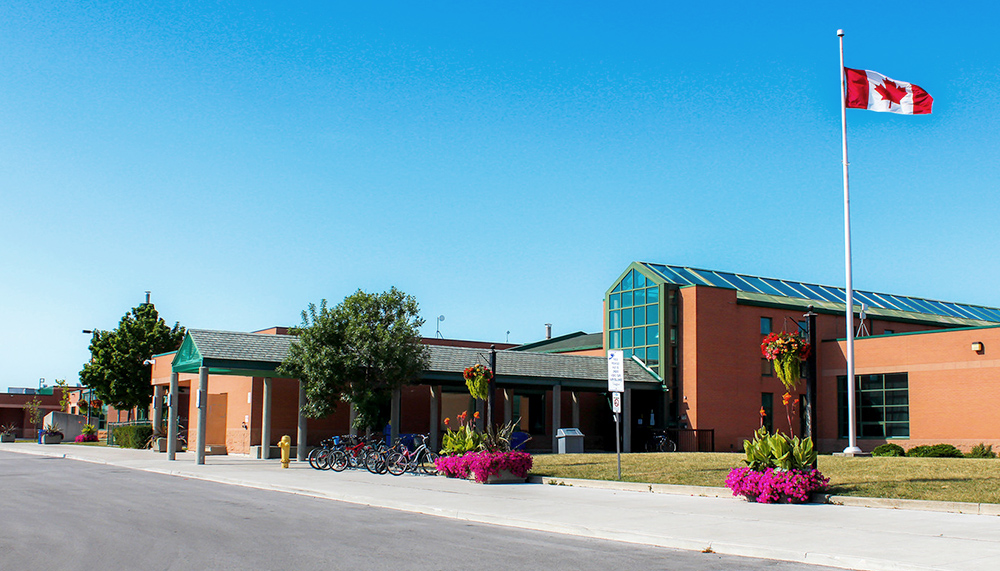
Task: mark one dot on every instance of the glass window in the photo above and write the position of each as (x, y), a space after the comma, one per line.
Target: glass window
(627, 299)
(627, 280)
(886, 332)
(640, 352)
(652, 356)
(673, 335)
(673, 315)
(614, 301)
(618, 287)
(627, 338)
(652, 294)
(616, 339)
(767, 404)
(640, 315)
(766, 368)
(653, 335)
(652, 315)
(628, 353)
(627, 317)
(640, 280)
(882, 409)
(615, 320)
(765, 325)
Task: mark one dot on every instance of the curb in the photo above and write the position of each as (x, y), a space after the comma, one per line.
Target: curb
(713, 492)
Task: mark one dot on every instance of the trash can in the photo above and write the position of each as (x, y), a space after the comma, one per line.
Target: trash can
(570, 441)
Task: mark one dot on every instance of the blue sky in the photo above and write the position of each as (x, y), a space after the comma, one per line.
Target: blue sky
(503, 162)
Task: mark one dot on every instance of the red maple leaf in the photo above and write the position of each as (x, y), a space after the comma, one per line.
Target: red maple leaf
(890, 91)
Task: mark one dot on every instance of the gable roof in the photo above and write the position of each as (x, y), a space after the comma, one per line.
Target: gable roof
(231, 352)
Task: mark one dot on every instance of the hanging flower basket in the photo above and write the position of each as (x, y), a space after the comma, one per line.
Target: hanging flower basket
(477, 378)
(786, 351)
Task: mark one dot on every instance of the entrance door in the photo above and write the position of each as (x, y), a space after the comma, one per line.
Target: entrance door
(215, 420)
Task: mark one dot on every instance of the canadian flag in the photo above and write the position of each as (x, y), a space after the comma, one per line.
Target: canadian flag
(871, 90)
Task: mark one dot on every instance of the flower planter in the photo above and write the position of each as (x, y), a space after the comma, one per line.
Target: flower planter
(51, 439)
(6, 437)
(504, 477)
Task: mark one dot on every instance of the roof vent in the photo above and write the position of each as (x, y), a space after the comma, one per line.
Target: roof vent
(548, 331)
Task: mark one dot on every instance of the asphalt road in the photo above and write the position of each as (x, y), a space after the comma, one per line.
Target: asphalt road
(66, 514)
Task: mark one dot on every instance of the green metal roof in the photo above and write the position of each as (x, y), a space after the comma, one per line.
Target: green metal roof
(578, 341)
(882, 304)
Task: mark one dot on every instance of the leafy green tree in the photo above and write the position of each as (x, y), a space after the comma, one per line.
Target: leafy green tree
(117, 371)
(357, 352)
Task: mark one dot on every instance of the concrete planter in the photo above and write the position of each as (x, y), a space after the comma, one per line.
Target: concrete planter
(160, 445)
(6, 437)
(504, 477)
(51, 439)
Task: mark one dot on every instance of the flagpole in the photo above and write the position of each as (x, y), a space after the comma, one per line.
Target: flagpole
(852, 445)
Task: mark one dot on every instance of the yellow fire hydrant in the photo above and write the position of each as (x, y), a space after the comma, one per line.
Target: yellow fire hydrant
(286, 450)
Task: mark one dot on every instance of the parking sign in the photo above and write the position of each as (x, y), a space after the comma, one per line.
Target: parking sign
(616, 372)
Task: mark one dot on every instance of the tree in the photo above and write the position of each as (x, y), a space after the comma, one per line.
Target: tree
(357, 352)
(117, 371)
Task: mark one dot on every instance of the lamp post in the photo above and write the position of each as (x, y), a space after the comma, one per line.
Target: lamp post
(90, 393)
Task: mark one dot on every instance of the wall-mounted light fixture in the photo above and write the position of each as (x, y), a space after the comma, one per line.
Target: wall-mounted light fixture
(977, 346)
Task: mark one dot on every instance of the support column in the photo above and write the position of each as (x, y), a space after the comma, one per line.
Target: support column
(481, 409)
(627, 421)
(508, 406)
(301, 436)
(435, 418)
(157, 409)
(174, 403)
(353, 415)
(265, 429)
(556, 416)
(202, 404)
(575, 398)
(394, 415)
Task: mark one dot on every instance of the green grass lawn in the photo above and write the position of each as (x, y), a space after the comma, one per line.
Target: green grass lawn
(946, 479)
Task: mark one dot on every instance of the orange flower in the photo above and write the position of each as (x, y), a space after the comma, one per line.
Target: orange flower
(446, 421)
(476, 415)
(762, 413)
(786, 398)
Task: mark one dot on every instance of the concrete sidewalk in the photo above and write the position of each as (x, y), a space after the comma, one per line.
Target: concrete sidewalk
(840, 536)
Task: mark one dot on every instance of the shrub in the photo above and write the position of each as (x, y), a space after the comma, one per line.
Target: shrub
(982, 450)
(88, 429)
(935, 451)
(132, 436)
(889, 449)
(86, 438)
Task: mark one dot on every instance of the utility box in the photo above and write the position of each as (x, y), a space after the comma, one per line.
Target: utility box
(570, 441)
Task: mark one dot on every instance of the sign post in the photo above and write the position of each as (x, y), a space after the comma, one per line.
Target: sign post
(616, 386)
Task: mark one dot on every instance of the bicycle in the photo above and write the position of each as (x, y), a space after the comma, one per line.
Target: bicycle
(660, 442)
(401, 459)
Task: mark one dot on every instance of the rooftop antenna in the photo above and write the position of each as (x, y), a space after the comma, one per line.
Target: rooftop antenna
(439, 320)
(863, 328)
(508, 336)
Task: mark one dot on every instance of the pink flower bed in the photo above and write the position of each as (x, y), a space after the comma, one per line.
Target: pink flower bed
(86, 438)
(773, 486)
(484, 464)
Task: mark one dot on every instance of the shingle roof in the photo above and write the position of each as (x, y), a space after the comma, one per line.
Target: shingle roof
(238, 346)
(445, 362)
(533, 365)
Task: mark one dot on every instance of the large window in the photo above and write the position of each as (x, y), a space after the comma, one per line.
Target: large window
(882, 405)
(634, 318)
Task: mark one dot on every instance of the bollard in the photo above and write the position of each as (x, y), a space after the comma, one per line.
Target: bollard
(286, 450)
